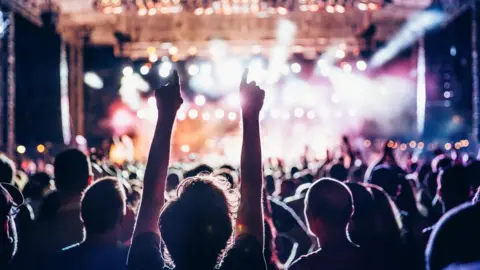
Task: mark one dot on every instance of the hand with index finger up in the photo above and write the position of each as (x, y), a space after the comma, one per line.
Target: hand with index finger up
(252, 97)
(169, 98)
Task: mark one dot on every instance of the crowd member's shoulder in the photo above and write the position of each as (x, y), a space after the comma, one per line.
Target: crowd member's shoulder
(245, 254)
(304, 262)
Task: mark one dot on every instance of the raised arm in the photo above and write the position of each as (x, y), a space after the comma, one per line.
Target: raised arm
(169, 101)
(250, 214)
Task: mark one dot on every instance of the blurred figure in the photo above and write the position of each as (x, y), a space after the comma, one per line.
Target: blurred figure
(63, 226)
(455, 238)
(10, 200)
(7, 170)
(37, 188)
(103, 208)
(328, 209)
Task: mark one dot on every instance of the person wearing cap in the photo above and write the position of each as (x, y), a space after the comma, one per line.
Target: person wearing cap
(10, 200)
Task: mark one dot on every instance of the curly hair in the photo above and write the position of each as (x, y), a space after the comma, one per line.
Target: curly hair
(197, 226)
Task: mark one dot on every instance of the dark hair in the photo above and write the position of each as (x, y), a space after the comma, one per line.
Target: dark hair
(7, 169)
(197, 225)
(103, 205)
(455, 238)
(388, 178)
(36, 185)
(338, 172)
(330, 201)
(361, 228)
(72, 171)
(173, 179)
(202, 168)
(454, 185)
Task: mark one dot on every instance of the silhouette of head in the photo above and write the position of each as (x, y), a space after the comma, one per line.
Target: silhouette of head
(453, 186)
(7, 170)
(328, 206)
(339, 172)
(72, 171)
(197, 226)
(103, 206)
(455, 238)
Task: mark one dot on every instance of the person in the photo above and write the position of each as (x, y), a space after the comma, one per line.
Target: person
(455, 238)
(37, 188)
(196, 228)
(63, 226)
(7, 170)
(453, 189)
(103, 210)
(10, 200)
(339, 172)
(328, 210)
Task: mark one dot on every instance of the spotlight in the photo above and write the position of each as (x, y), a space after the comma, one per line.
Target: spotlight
(93, 80)
(41, 148)
(232, 116)
(299, 112)
(200, 100)
(173, 50)
(21, 149)
(193, 70)
(361, 65)
(347, 67)
(193, 113)
(219, 113)
(330, 9)
(144, 70)
(181, 115)
(153, 58)
(185, 148)
(206, 116)
(296, 68)
(340, 9)
(127, 71)
(340, 54)
(362, 6)
(164, 69)
(311, 115)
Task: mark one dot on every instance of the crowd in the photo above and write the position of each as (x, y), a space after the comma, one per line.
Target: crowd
(334, 214)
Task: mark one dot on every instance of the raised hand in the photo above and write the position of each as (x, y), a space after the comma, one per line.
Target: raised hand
(168, 96)
(252, 96)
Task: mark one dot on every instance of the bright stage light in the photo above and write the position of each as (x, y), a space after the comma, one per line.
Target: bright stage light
(164, 69)
(21, 149)
(413, 29)
(193, 113)
(361, 65)
(181, 115)
(93, 80)
(296, 68)
(232, 116)
(185, 148)
(228, 72)
(80, 140)
(127, 71)
(121, 119)
(144, 70)
(299, 112)
(41, 148)
(152, 57)
(340, 54)
(362, 6)
(173, 50)
(339, 8)
(285, 115)
(311, 115)
(200, 100)
(219, 113)
(206, 116)
(347, 67)
(257, 71)
(193, 70)
(330, 9)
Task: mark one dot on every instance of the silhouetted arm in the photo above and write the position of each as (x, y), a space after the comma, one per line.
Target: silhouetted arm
(250, 215)
(169, 101)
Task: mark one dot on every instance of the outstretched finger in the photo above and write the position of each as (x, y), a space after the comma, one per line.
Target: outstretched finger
(244, 77)
(175, 79)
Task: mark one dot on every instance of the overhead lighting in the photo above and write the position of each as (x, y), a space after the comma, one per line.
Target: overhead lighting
(361, 65)
(127, 71)
(296, 68)
(193, 70)
(144, 70)
(165, 69)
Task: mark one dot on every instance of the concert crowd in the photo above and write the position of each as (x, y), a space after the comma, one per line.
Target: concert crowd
(333, 214)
